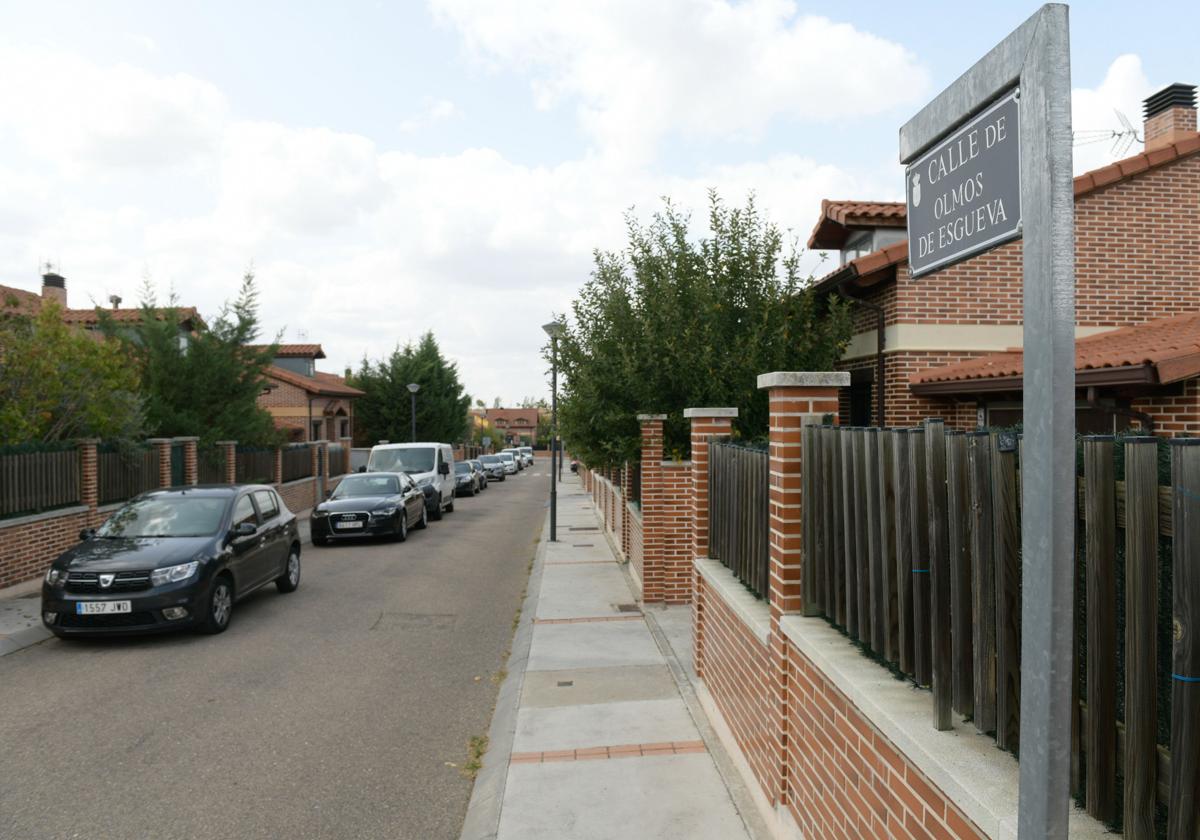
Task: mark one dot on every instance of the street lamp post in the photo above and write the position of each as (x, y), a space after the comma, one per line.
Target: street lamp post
(413, 387)
(554, 329)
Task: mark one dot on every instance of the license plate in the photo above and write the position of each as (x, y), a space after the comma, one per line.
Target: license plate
(355, 524)
(102, 607)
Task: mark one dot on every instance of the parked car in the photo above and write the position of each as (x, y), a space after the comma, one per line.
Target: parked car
(510, 462)
(431, 465)
(173, 558)
(527, 454)
(466, 480)
(481, 472)
(494, 466)
(516, 455)
(370, 504)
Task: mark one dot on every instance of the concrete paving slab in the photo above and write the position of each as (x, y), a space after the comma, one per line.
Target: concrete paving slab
(581, 686)
(592, 645)
(676, 624)
(603, 725)
(574, 591)
(656, 798)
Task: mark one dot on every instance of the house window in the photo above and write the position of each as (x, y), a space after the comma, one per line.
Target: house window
(316, 430)
(344, 430)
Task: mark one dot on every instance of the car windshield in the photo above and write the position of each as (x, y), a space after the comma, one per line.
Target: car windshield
(462, 467)
(366, 485)
(402, 460)
(490, 459)
(506, 456)
(167, 516)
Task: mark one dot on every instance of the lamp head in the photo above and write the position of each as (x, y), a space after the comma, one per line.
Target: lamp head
(413, 387)
(554, 329)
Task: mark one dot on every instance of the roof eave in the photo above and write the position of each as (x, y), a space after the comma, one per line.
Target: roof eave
(1144, 374)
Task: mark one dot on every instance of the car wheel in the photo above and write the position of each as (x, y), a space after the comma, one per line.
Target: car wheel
(290, 579)
(218, 610)
(450, 507)
(436, 513)
(401, 533)
(424, 523)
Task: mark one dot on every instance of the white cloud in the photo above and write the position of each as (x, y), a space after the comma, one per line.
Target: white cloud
(436, 111)
(83, 117)
(638, 72)
(1094, 113)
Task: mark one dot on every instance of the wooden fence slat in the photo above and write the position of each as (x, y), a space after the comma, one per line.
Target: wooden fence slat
(874, 542)
(809, 516)
(922, 644)
(958, 511)
(887, 544)
(1141, 610)
(983, 578)
(939, 573)
(1183, 810)
(904, 550)
(862, 538)
(1006, 541)
(838, 555)
(828, 530)
(1100, 535)
(849, 531)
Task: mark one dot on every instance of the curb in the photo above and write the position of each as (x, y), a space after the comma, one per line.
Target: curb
(487, 797)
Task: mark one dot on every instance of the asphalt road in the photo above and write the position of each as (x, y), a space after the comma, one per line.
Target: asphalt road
(338, 711)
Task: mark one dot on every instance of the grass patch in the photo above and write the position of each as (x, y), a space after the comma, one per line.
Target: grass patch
(476, 747)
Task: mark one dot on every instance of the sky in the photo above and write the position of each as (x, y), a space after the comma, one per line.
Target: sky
(452, 165)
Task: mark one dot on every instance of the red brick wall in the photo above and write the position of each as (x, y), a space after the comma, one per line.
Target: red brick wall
(846, 778)
(666, 533)
(298, 495)
(1174, 415)
(903, 408)
(26, 551)
(737, 672)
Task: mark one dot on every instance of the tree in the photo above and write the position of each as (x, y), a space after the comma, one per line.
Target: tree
(206, 382)
(385, 412)
(534, 402)
(59, 383)
(671, 322)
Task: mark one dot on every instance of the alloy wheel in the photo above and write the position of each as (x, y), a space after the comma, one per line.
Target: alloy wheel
(222, 602)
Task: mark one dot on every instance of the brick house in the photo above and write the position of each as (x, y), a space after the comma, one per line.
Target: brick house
(306, 403)
(1137, 225)
(517, 426)
(54, 288)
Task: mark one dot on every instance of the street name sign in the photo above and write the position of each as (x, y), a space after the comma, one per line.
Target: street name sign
(964, 194)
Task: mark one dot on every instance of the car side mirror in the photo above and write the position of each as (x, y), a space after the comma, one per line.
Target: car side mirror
(363, 468)
(245, 529)
(444, 468)
(86, 534)
(328, 494)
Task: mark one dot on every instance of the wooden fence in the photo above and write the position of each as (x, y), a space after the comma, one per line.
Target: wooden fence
(255, 465)
(210, 465)
(738, 533)
(297, 462)
(33, 480)
(125, 472)
(337, 459)
(912, 546)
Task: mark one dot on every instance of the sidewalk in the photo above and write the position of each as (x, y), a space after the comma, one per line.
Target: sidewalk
(592, 735)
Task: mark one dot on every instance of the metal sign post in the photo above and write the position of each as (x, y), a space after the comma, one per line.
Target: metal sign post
(1035, 61)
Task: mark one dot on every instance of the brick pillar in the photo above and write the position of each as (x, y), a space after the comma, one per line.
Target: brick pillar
(277, 478)
(191, 468)
(89, 477)
(626, 490)
(320, 471)
(706, 422)
(653, 516)
(162, 447)
(796, 400)
(346, 443)
(229, 448)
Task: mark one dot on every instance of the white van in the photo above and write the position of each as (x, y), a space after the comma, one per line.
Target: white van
(431, 465)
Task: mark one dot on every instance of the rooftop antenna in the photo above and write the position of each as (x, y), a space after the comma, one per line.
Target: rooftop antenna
(1126, 137)
(115, 300)
(302, 335)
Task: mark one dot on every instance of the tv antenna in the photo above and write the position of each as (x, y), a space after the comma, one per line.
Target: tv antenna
(1121, 140)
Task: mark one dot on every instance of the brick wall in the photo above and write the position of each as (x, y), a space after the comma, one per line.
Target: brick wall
(737, 671)
(1174, 415)
(846, 778)
(26, 550)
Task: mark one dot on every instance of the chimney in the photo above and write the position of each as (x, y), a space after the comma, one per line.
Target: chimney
(54, 287)
(1170, 116)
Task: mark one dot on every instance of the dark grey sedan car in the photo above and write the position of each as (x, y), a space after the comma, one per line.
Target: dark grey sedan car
(370, 504)
(173, 558)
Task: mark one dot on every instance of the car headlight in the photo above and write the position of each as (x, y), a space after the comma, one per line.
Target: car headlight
(318, 513)
(56, 578)
(383, 512)
(174, 574)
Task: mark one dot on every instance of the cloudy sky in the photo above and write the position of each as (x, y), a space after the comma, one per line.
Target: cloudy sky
(390, 168)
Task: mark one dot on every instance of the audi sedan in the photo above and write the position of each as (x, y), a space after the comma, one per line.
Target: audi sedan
(174, 558)
(370, 504)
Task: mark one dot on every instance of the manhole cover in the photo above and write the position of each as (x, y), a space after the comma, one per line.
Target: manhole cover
(566, 683)
(583, 545)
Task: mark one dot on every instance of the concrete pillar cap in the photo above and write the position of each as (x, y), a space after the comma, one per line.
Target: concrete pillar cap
(648, 417)
(88, 441)
(158, 440)
(804, 379)
(709, 412)
(226, 443)
(188, 439)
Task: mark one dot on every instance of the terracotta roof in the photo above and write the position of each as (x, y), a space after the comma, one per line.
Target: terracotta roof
(91, 316)
(836, 216)
(304, 351)
(1160, 352)
(27, 303)
(322, 384)
(1129, 167)
(865, 266)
